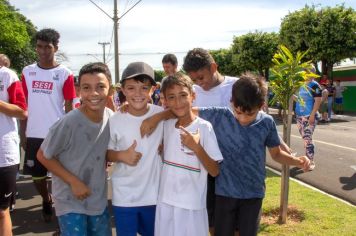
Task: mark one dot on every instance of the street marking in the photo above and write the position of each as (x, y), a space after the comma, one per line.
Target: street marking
(330, 144)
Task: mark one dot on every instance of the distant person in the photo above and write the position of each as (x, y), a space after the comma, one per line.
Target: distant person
(324, 104)
(12, 106)
(339, 102)
(76, 100)
(74, 150)
(5, 61)
(306, 114)
(170, 64)
(331, 89)
(136, 174)
(49, 89)
(156, 95)
(187, 161)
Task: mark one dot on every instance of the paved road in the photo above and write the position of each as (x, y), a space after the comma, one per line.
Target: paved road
(335, 171)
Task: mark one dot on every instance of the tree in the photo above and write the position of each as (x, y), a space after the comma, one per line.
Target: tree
(289, 74)
(254, 51)
(328, 34)
(223, 58)
(16, 36)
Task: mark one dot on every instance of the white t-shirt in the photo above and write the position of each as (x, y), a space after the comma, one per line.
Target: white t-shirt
(184, 178)
(218, 96)
(135, 186)
(46, 90)
(10, 90)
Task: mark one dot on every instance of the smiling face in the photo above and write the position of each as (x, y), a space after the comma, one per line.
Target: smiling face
(94, 89)
(204, 77)
(137, 95)
(179, 99)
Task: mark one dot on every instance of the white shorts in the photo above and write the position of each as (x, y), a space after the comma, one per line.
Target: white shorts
(175, 221)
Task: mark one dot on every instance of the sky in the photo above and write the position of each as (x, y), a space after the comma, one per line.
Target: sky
(155, 27)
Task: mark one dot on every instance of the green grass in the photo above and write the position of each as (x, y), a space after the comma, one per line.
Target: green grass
(317, 213)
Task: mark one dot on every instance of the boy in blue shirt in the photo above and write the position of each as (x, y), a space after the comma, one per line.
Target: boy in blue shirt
(243, 133)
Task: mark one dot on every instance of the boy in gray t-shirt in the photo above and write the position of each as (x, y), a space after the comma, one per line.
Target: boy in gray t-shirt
(74, 151)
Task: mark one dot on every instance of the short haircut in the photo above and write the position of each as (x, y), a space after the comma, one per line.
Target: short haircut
(249, 92)
(196, 59)
(4, 60)
(49, 36)
(179, 79)
(93, 68)
(170, 58)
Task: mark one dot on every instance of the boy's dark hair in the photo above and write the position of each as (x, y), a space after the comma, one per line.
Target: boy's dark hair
(95, 67)
(196, 59)
(48, 35)
(249, 92)
(170, 58)
(176, 79)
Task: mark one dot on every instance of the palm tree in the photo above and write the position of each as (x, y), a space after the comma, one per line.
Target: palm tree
(290, 73)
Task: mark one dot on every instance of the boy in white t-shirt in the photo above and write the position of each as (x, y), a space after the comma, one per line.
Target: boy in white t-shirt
(135, 178)
(190, 153)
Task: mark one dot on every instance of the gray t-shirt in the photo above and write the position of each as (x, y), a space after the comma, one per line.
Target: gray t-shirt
(80, 146)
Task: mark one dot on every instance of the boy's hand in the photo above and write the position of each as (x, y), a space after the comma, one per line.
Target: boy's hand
(304, 163)
(148, 126)
(190, 140)
(80, 190)
(131, 157)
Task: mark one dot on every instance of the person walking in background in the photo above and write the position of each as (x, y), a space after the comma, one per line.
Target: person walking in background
(49, 89)
(170, 64)
(306, 113)
(331, 89)
(5, 61)
(324, 104)
(12, 106)
(74, 150)
(339, 103)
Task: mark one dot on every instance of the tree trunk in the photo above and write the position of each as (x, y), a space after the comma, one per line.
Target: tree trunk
(287, 124)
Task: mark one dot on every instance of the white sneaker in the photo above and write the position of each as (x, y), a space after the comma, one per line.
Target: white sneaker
(311, 165)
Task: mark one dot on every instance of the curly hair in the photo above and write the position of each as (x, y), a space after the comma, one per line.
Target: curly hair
(196, 59)
(48, 35)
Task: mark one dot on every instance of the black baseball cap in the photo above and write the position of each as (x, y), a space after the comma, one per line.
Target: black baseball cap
(136, 69)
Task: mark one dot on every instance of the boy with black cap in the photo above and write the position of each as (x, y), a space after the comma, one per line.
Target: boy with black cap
(135, 178)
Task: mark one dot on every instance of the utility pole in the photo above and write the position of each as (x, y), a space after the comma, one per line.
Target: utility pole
(116, 19)
(104, 44)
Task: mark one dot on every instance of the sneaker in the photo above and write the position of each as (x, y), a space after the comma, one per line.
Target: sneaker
(47, 211)
(312, 165)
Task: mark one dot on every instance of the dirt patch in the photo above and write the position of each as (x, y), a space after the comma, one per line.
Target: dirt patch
(272, 216)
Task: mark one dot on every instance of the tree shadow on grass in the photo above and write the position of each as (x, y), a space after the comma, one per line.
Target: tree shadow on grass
(349, 182)
(271, 217)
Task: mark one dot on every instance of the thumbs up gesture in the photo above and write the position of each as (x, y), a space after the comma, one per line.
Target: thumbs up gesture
(191, 140)
(130, 156)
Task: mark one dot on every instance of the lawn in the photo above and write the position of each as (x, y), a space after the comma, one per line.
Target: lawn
(311, 212)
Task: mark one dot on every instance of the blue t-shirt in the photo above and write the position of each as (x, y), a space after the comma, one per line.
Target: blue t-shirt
(242, 172)
(307, 94)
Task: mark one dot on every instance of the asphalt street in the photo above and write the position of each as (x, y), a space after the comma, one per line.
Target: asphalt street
(335, 157)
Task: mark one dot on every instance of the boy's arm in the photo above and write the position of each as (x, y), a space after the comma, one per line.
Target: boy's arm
(192, 142)
(12, 110)
(68, 105)
(284, 158)
(150, 124)
(128, 156)
(79, 189)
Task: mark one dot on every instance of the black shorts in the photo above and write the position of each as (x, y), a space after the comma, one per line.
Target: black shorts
(31, 165)
(210, 200)
(7, 185)
(245, 214)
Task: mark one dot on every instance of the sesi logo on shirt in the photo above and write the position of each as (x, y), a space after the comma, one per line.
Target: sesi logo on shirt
(42, 85)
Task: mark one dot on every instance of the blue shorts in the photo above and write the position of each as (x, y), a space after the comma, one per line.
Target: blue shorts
(338, 100)
(132, 220)
(74, 224)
